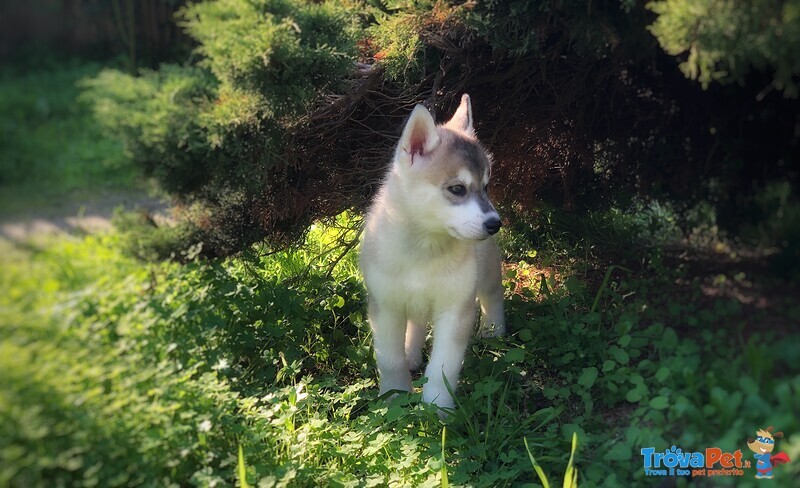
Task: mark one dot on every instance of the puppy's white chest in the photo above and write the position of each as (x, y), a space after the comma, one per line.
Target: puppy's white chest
(440, 277)
(429, 284)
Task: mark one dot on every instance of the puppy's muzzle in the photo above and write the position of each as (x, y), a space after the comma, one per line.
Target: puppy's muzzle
(492, 225)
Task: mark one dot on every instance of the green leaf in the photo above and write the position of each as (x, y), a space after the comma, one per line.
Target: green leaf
(662, 373)
(659, 403)
(515, 355)
(634, 395)
(394, 413)
(536, 467)
(570, 430)
(620, 355)
(748, 385)
(588, 377)
(620, 452)
(241, 470)
(574, 285)
(670, 339)
(571, 474)
(525, 335)
(445, 481)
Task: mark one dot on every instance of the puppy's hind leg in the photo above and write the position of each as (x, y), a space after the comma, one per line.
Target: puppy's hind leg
(415, 340)
(388, 333)
(490, 291)
(493, 319)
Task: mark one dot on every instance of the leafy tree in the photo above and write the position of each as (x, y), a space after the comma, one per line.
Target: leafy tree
(726, 39)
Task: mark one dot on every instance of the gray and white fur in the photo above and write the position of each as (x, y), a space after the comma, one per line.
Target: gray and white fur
(428, 252)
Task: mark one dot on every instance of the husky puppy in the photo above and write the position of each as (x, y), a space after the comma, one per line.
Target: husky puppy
(428, 252)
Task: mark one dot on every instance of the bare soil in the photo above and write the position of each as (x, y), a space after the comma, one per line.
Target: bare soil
(79, 214)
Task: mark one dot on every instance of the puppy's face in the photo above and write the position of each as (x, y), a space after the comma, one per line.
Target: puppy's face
(447, 172)
(460, 173)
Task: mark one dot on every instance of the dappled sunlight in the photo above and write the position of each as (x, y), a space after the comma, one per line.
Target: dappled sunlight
(526, 280)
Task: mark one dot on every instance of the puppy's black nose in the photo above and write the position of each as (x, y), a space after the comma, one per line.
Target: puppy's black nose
(492, 226)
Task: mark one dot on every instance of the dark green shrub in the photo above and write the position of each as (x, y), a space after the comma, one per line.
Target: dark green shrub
(774, 223)
(216, 133)
(276, 124)
(271, 129)
(158, 115)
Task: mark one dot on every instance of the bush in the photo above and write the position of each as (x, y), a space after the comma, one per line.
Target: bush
(216, 133)
(158, 117)
(272, 129)
(291, 109)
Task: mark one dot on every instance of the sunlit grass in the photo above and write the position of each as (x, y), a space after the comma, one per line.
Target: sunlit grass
(270, 354)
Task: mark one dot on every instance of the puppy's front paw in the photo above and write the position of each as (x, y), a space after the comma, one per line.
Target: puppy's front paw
(438, 395)
(395, 381)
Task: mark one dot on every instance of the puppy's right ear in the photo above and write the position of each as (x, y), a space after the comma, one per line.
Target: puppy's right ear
(419, 137)
(462, 119)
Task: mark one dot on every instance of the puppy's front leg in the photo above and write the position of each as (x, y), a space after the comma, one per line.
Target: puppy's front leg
(389, 333)
(451, 333)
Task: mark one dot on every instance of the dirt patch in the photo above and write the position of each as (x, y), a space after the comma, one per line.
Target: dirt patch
(744, 285)
(79, 215)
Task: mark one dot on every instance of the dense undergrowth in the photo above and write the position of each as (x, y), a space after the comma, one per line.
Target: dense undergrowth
(115, 373)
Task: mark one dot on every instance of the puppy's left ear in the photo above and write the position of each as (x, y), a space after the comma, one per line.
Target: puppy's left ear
(419, 135)
(462, 119)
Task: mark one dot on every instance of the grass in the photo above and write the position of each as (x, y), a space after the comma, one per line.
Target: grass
(50, 145)
(257, 370)
(118, 372)
(570, 475)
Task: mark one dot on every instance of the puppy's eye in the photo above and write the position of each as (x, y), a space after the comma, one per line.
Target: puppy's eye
(457, 190)
(486, 188)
